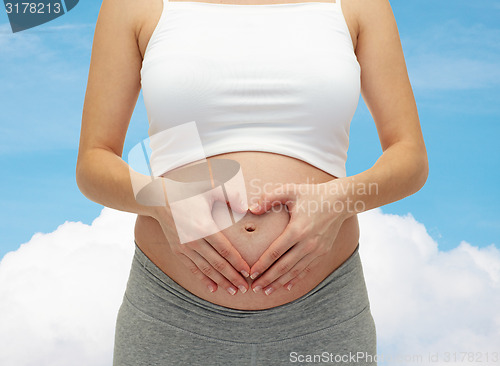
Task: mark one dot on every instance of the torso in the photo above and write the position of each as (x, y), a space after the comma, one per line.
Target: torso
(259, 169)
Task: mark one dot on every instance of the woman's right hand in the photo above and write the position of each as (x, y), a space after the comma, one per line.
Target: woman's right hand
(212, 259)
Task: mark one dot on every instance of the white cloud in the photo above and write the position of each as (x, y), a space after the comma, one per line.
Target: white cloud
(60, 292)
(425, 300)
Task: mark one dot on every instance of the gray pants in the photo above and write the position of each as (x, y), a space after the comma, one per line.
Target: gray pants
(160, 323)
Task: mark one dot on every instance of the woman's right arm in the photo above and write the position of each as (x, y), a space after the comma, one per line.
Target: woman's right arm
(112, 90)
(102, 175)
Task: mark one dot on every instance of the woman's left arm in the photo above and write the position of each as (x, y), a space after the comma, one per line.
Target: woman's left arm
(400, 171)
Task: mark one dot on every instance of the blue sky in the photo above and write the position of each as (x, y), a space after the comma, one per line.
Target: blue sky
(452, 54)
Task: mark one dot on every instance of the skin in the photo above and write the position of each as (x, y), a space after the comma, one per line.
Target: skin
(260, 169)
(289, 255)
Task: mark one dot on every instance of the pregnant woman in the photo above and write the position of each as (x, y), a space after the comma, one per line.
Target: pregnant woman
(272, 86)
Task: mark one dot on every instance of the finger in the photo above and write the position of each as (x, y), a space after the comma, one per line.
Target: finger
(235, 197)
(284, 195)
(222, 266)
(282, 266)
(208, 270)
(285, 241)
(211, 285)
(301, 275)
(286, 268)
(237, 200)
(224, 247)
(295, 272)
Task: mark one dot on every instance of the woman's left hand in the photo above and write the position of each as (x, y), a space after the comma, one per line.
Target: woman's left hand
(316, 215)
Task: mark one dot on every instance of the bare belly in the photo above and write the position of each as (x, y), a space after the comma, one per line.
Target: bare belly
(253, 234)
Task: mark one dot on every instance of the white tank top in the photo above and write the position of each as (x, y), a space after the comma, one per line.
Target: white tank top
(280, 78)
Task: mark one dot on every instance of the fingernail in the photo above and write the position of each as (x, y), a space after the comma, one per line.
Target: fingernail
(254, 207)
(242, 288)
(231, 290)
(289, 287)
(269, 290)
(211, 288)
(244, 273)
(257, 289)
(254, 275)
(243, 205)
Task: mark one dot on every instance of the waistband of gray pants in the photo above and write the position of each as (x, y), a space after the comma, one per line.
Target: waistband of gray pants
(339, 297)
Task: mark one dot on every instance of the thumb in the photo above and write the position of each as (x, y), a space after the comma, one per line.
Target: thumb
(237, 201)
(282, 195)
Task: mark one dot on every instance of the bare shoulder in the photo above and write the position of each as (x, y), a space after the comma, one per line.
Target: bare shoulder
(122, 13)
(148, 14)
(370, 13)
(135, 17)
(363, 15)
(350, 11)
